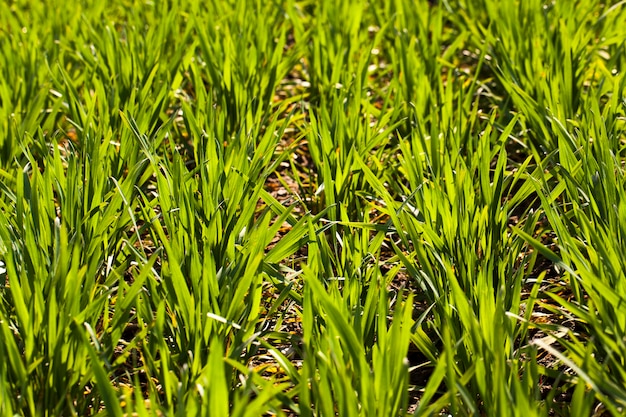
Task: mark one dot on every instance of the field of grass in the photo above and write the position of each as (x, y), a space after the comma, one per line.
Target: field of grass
(313, 208)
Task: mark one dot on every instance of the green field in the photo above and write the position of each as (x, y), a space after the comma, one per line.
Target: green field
(313, 208)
